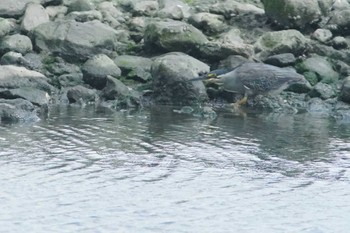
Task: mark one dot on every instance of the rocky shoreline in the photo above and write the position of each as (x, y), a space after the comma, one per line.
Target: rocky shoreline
(133, 53)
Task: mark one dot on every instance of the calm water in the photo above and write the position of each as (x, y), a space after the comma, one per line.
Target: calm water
(158, 171)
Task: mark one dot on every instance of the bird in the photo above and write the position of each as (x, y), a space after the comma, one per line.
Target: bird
(252, 79)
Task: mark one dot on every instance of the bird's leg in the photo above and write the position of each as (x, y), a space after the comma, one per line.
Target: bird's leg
(243, 100)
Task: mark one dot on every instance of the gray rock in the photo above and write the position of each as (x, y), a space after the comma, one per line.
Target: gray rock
(345, 90)
(81, 95)
(323, 91)
(34, 15)
(144, 8)
(173, 9)
(76, 41)
(11, 8)
(81, 5)
(111, 15)
(340, 22)
(322, 35)
(232, 62)
(33, 61)
(35, 96)
(7, 26)
(285, 41)
(208, 23)
(339, 42)
(17, 43)
(173, 36)
(293, 13)
(281, 60)
(17, 110)
(135, 67)
(56, 11)
(124, 96)
(17, 77)
(57, 66)
(319, 107)
(70, 80)
(96, 69)
(12, 58)
(321, 67)
(171, 74)
(231, 9)
(84, 16)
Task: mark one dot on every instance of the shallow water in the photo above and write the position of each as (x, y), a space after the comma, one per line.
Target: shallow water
(159, 171)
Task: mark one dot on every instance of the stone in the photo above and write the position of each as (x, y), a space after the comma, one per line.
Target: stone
(17, 43)
(173, 9)
(323, 91)
(172, 73)
(77, 41)
(34, 15)
(230, 9)
(281, 60)
(285, 41)
(70, 80)
(208, 23)
(7, 26)
(144, 8)
(14, 9)
(84, 16)
(322, 35)
(81, 5)
(339, 42)
(345, 90)
(56, 11)
(96, 69)
(135, 67)
(81, 95)
(173, 36)
(35, 96)
(17, 110)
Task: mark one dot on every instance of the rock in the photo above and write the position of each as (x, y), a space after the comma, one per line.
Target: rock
(232, 62)
(17, 110)
(345, 90)
(171, 74)
(281, 60)
(231, 9)
(323, 91)
(293, 13)
(173, 9)
(12, 77)
(285, 41)
(96, 69)
(7, 26)
(56, 11)
(84, 16)
(35, 96)
(12, 58)
(321, 67)
(339, 42)
(56, 66)
(14, 9)
(339, 21)
(70, 80)
(124, 96)
(76, 41)
(208, 23)
(144, 8)
(17, 43)
(318, 107)
(134, 67)
(34, 15)
(33, 62)
(322, 35)
(81, 5)
(81, 95)
(173, 36)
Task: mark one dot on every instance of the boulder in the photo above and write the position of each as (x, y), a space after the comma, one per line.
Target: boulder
(323, 91)
(322, 35)
(7, 26)
(285, 41)
(17, 43)
(345, 90)
(12, 77)
(14, 9)
(134, 67)
(81, 5)
(293, 13)
(76, 41)
(35, 96)
(230, 8)
(144, 8)
(81, 95)
(96, 69)
(208, 23)
(281, 60)
(34, 15)
(84, 16)
(17, 110)
(173, 9)
(172, 74)
(173, 36)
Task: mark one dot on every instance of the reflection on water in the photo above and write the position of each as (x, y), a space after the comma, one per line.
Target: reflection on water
(158, 171)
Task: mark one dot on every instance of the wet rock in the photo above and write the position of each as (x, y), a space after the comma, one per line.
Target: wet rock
(321, 67)
(11, 8)
(124, 96)
(35, 96)
(281, 60)
(319, 107)
(17, 43)
(171, 79)
(134, 67)
(208, 23)
(339, 42)
(34, 15)
(285, 41)
(17, 77)
(323, 91)
(173, 9)
(173, 36)
(77, 41)
(7, 26)
(70, 80)
(345, 90)
(17, 110)
(322, 35)
(293, 13)
(81, 95)
(96, 69)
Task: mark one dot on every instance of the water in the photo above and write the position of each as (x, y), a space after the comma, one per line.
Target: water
(158, 171)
